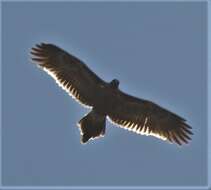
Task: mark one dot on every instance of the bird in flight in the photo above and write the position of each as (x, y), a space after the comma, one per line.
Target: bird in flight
(106, 100)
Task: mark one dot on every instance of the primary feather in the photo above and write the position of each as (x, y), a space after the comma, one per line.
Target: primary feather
(147, 118)
(138, 115)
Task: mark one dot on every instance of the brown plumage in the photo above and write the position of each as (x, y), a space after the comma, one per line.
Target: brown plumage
(107, 100)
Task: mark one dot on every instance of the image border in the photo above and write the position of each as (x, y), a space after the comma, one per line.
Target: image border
(206, 187)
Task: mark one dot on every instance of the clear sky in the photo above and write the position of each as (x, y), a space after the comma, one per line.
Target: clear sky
(156, 50)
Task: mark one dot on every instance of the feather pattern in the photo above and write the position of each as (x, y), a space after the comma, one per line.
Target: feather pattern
(147, 118)
(70, 73)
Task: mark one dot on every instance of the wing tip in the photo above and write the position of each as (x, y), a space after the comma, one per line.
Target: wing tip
(183, 134)
(38, 54)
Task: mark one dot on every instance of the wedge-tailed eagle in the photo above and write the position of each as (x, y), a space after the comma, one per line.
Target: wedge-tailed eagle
(107, 101)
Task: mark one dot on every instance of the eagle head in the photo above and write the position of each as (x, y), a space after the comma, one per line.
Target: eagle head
(114, 83)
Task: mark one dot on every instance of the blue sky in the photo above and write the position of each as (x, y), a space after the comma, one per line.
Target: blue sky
(156, 50)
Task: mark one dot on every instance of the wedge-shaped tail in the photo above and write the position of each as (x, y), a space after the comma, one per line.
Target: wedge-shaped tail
(92, 126)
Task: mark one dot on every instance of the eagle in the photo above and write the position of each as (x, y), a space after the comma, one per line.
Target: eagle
(107, 101)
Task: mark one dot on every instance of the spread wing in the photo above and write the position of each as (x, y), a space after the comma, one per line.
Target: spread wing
(69, 72)
(145, 117)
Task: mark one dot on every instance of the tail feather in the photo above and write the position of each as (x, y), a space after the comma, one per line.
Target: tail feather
(92, 126)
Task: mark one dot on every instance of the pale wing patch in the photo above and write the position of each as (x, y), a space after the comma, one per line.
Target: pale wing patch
(66, 86)
(134, 127)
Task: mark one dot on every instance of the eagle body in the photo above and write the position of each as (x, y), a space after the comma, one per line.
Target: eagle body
(106, 100)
